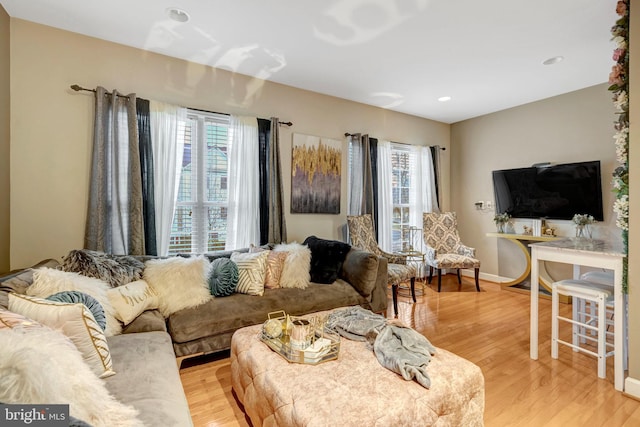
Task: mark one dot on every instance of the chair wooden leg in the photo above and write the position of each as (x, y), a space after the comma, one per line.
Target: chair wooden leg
(413, 289)
(439, 279)
(459, 279)
(477, 277)
(430, 274)
(394, 295)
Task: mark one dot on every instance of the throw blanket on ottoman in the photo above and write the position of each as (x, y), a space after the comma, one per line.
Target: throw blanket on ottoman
(401, 349)
(354, 390)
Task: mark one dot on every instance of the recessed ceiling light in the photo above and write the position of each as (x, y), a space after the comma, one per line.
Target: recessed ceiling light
(553, 60)
(177, 15)
(444, 98)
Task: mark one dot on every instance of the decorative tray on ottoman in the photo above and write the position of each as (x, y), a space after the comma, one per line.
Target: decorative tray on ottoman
(300, 340)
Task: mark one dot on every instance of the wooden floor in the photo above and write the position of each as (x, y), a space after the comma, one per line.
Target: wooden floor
(490, 328)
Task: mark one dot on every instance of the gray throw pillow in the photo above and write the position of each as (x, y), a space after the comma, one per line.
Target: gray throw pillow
(224, 277)
(116, 270)
(90, 302)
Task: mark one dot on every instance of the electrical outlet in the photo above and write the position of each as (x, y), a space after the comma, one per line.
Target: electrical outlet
(488, 204)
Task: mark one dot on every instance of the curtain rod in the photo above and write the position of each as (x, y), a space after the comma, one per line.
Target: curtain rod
(401, 143)
(78, 88)
(412, 145)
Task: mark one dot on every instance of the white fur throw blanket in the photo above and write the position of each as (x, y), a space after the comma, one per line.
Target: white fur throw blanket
(41, 366)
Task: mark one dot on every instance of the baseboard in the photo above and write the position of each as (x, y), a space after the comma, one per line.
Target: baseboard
(486, 276)
(632, 387)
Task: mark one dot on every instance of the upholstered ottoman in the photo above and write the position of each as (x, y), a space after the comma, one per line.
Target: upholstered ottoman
(354, 390)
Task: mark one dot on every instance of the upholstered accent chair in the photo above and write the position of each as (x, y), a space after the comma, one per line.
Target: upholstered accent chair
(443, 246)
(362, 236)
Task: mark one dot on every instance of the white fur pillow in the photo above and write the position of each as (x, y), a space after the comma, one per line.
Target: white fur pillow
(132, 299)
(75, 321)
(179, 282)
(297, 266)
(49, 281)
(41, 366)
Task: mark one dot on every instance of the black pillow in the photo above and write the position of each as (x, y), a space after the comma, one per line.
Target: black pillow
(327, 257)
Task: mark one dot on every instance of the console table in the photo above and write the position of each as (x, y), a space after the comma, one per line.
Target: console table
(582, 252)
(518, 239)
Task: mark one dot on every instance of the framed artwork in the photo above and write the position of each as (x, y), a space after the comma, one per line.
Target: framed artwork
(316, 164)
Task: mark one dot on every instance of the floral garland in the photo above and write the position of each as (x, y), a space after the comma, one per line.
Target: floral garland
(618, 78)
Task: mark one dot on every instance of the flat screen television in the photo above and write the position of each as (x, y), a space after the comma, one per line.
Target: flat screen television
(554, 191)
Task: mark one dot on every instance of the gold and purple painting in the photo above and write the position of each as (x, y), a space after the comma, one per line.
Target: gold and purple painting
(315, 174)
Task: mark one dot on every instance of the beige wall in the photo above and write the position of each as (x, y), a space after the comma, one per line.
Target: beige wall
(634, 208)
(4, 139)
(573, 127)
(51, 127)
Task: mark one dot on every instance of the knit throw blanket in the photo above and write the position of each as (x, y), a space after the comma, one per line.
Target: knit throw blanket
(397, 348)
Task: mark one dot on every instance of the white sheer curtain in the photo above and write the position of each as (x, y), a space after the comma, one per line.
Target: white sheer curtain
(422, 196)
(243, 219)
(430, 197)
(385, 196)
(167, 138)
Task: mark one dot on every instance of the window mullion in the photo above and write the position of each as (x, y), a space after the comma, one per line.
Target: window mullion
(200, 230)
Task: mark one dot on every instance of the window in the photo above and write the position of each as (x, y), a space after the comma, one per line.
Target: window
(402, 183)
(200, 218)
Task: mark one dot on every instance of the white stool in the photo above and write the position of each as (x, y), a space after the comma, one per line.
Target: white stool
(600, 277)
(598, 295)
(604, 280)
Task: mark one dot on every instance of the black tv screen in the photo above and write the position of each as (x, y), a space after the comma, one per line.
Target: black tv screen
(555, 191)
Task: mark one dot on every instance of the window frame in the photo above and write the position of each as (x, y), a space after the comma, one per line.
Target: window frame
(199, 205)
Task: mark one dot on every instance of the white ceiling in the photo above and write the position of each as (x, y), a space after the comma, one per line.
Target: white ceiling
(396, 54)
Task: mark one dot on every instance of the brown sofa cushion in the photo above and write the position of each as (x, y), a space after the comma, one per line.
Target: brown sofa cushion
(148, 321)
(360, 268)
(227, 314)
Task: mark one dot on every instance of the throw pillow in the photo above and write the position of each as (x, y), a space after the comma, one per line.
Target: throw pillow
(130, 300)
(275, 265)
(20, 281)
(327, 257)
(49, 281)
(44, 367)
(296, 271)
(252, 270)
(75, 321)
(11, 320)
(179, 282)
(223, 279)
(116, 270)
(90, 302)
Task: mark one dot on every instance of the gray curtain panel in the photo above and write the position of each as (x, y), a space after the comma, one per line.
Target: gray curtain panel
(115, 213)
(435, 155)
(361, 177)
(277, 223)
(146, 173)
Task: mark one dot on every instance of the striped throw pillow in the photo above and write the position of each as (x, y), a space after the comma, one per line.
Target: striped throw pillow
(75, 321)
(252, 270)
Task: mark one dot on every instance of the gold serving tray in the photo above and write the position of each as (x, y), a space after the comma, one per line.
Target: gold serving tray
(325, 344)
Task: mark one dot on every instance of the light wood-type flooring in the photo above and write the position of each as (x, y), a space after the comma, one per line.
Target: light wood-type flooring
(490, 328)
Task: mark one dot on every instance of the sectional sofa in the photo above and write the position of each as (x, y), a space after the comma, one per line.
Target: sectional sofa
(144, 354)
